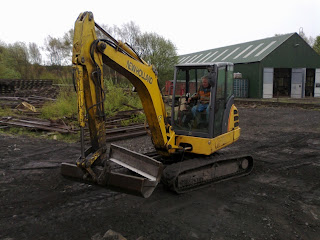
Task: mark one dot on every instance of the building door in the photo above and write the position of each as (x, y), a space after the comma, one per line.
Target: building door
(267, 82)
(298, 82)
(282, 82)
(317, 83)
(310, 79)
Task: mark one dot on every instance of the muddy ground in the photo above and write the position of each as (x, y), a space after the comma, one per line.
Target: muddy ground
(280, 199)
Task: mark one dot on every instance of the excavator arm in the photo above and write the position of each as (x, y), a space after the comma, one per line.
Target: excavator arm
(89, 55)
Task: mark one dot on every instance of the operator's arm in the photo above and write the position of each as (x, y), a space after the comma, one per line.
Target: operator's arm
(194, 97)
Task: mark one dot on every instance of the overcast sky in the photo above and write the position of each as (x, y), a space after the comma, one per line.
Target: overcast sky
(191, 25)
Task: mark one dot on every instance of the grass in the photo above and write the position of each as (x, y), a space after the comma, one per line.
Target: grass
(118, 98)
(15, 131)
(51, 111)
(140, 118)
(20, 131)
(7, 112)
(64, 106)
(70, 138)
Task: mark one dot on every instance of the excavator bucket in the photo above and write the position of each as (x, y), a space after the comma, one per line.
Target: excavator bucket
(142, 176)
(126, 171)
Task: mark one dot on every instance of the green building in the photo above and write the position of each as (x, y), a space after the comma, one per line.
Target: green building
(281, 66)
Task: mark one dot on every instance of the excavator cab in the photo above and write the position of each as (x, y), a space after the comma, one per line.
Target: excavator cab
(192, 117)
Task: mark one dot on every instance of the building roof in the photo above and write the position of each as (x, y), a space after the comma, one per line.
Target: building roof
(253, 51)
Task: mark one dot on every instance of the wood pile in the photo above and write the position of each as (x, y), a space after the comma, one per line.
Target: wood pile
(8, 86)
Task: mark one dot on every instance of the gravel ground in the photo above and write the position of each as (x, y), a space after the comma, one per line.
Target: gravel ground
(280, 199)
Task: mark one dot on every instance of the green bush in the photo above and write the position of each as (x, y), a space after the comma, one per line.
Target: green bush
(118, 96)
(140, 118)
(64, 106)
(6, 112)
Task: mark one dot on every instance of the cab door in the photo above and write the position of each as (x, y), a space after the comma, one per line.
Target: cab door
(223, 99)
(219, 101)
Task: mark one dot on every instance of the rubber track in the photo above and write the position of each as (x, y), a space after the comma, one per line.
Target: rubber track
(173, 171)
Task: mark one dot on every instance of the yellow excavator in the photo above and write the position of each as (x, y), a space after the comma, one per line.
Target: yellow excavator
(186, 142)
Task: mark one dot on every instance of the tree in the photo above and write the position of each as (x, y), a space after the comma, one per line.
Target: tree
(34, 54)
(159, 52)
(309, 40)
(316, 45)
(129, 33)
(59, 49)
(7, 71)
(68, 40)
(18, 59)
(113, 31)
(153, 48)
(35, 58)
(109, 30)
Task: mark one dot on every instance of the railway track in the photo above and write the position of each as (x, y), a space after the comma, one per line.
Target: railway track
(126, 132)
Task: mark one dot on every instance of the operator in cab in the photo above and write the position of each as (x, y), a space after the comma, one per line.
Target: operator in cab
(203, 97)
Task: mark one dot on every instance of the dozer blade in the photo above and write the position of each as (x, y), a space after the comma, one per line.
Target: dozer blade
(141, 177)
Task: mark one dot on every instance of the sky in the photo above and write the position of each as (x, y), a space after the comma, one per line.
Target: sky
(190, 25)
